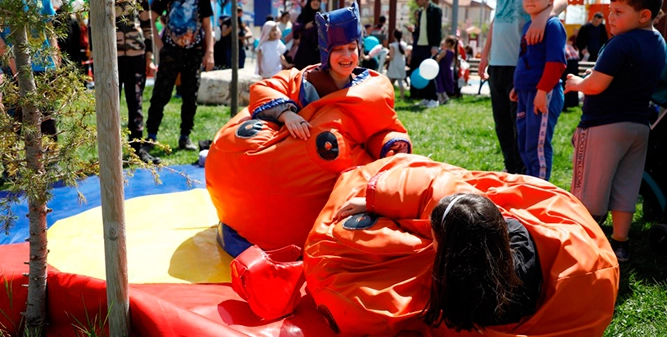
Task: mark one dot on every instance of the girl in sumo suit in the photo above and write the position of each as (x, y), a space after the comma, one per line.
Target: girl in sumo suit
(409, 244)
(271, 168)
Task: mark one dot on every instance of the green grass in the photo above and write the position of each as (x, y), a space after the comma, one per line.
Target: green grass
(462, 133)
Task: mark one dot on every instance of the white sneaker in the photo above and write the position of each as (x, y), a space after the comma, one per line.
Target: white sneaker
(432, 104)
(423, 102)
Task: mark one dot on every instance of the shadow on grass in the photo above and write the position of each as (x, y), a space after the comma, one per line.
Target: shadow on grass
(475, 99)
(412, 107)
(645, 266)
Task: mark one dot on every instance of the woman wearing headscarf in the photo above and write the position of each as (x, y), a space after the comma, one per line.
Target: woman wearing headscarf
(271, 168)
(306, 31)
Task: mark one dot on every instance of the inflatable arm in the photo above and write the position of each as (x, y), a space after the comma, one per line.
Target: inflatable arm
(380, 143)
(417, 187)
(374, 113)
(270, 97)
(411, 187)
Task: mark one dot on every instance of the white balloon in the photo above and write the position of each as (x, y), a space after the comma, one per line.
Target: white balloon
(429, 69)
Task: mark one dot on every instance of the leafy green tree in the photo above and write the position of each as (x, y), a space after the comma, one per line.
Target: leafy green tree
(413, 7)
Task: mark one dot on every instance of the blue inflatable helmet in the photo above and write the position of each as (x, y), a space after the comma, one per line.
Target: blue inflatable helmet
(336, 28)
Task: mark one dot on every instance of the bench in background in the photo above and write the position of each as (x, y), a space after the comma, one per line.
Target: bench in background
(585, 65)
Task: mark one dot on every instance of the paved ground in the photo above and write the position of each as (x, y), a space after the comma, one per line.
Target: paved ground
(473, 87)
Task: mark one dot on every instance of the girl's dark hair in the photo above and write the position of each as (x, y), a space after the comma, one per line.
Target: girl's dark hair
(307, 13)
(398, 35)
(473, 274)
(452, 40)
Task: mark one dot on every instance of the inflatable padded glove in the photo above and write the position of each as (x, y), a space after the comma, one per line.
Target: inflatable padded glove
(270, 281)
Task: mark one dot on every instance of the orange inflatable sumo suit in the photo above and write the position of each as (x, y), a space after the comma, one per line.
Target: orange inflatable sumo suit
(376, 280)
(269, 186)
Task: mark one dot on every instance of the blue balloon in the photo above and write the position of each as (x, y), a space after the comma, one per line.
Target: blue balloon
(417, 81)
(369, 43)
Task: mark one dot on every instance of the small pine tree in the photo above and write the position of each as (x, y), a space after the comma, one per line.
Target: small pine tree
(30, 161)
(33, 162)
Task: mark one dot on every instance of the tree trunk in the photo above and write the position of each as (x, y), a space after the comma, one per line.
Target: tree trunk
(32, 135)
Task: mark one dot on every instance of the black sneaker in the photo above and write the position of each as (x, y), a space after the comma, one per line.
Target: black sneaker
(148, 144)
(621, 249)
(186, 144)
(147, 158)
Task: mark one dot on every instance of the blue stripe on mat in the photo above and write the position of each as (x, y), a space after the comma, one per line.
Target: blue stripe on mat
(65, 202)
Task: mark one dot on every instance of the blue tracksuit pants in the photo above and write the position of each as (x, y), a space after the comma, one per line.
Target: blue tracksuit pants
(535, 131)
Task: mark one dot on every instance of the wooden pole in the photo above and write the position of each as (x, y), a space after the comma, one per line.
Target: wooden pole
(377, 10)
(103, 19)
(234, 88)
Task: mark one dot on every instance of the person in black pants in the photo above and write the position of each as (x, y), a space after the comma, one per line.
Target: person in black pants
(244, 33)
(185, 50)
(591, 37)
(134, 42)
(426, 39)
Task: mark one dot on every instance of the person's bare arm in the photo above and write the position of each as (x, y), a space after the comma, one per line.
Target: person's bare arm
(259, 62)
(441, 55)
(147, 28)
(484, 59)
(592, 84)
(391, 55)
(351, 207)
(53, 41)
(156, 33)
(535, 32)
(295, 124)
(284, 62)
(208, 62)
(248, 34)
(226, 30)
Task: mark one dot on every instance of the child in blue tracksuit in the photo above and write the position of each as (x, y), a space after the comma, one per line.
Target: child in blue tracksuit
(538, 91)
(611, 139)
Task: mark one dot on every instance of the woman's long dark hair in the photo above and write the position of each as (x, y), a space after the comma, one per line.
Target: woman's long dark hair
(473, 274)
(307, 14)
(398, 35)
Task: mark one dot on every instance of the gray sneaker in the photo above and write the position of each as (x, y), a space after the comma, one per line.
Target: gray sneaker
(186, 144)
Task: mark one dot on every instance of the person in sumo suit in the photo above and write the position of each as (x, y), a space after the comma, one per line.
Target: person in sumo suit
(408, 245)
(271, 168)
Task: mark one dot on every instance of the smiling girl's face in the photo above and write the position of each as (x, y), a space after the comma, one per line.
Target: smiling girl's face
(344, 58)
